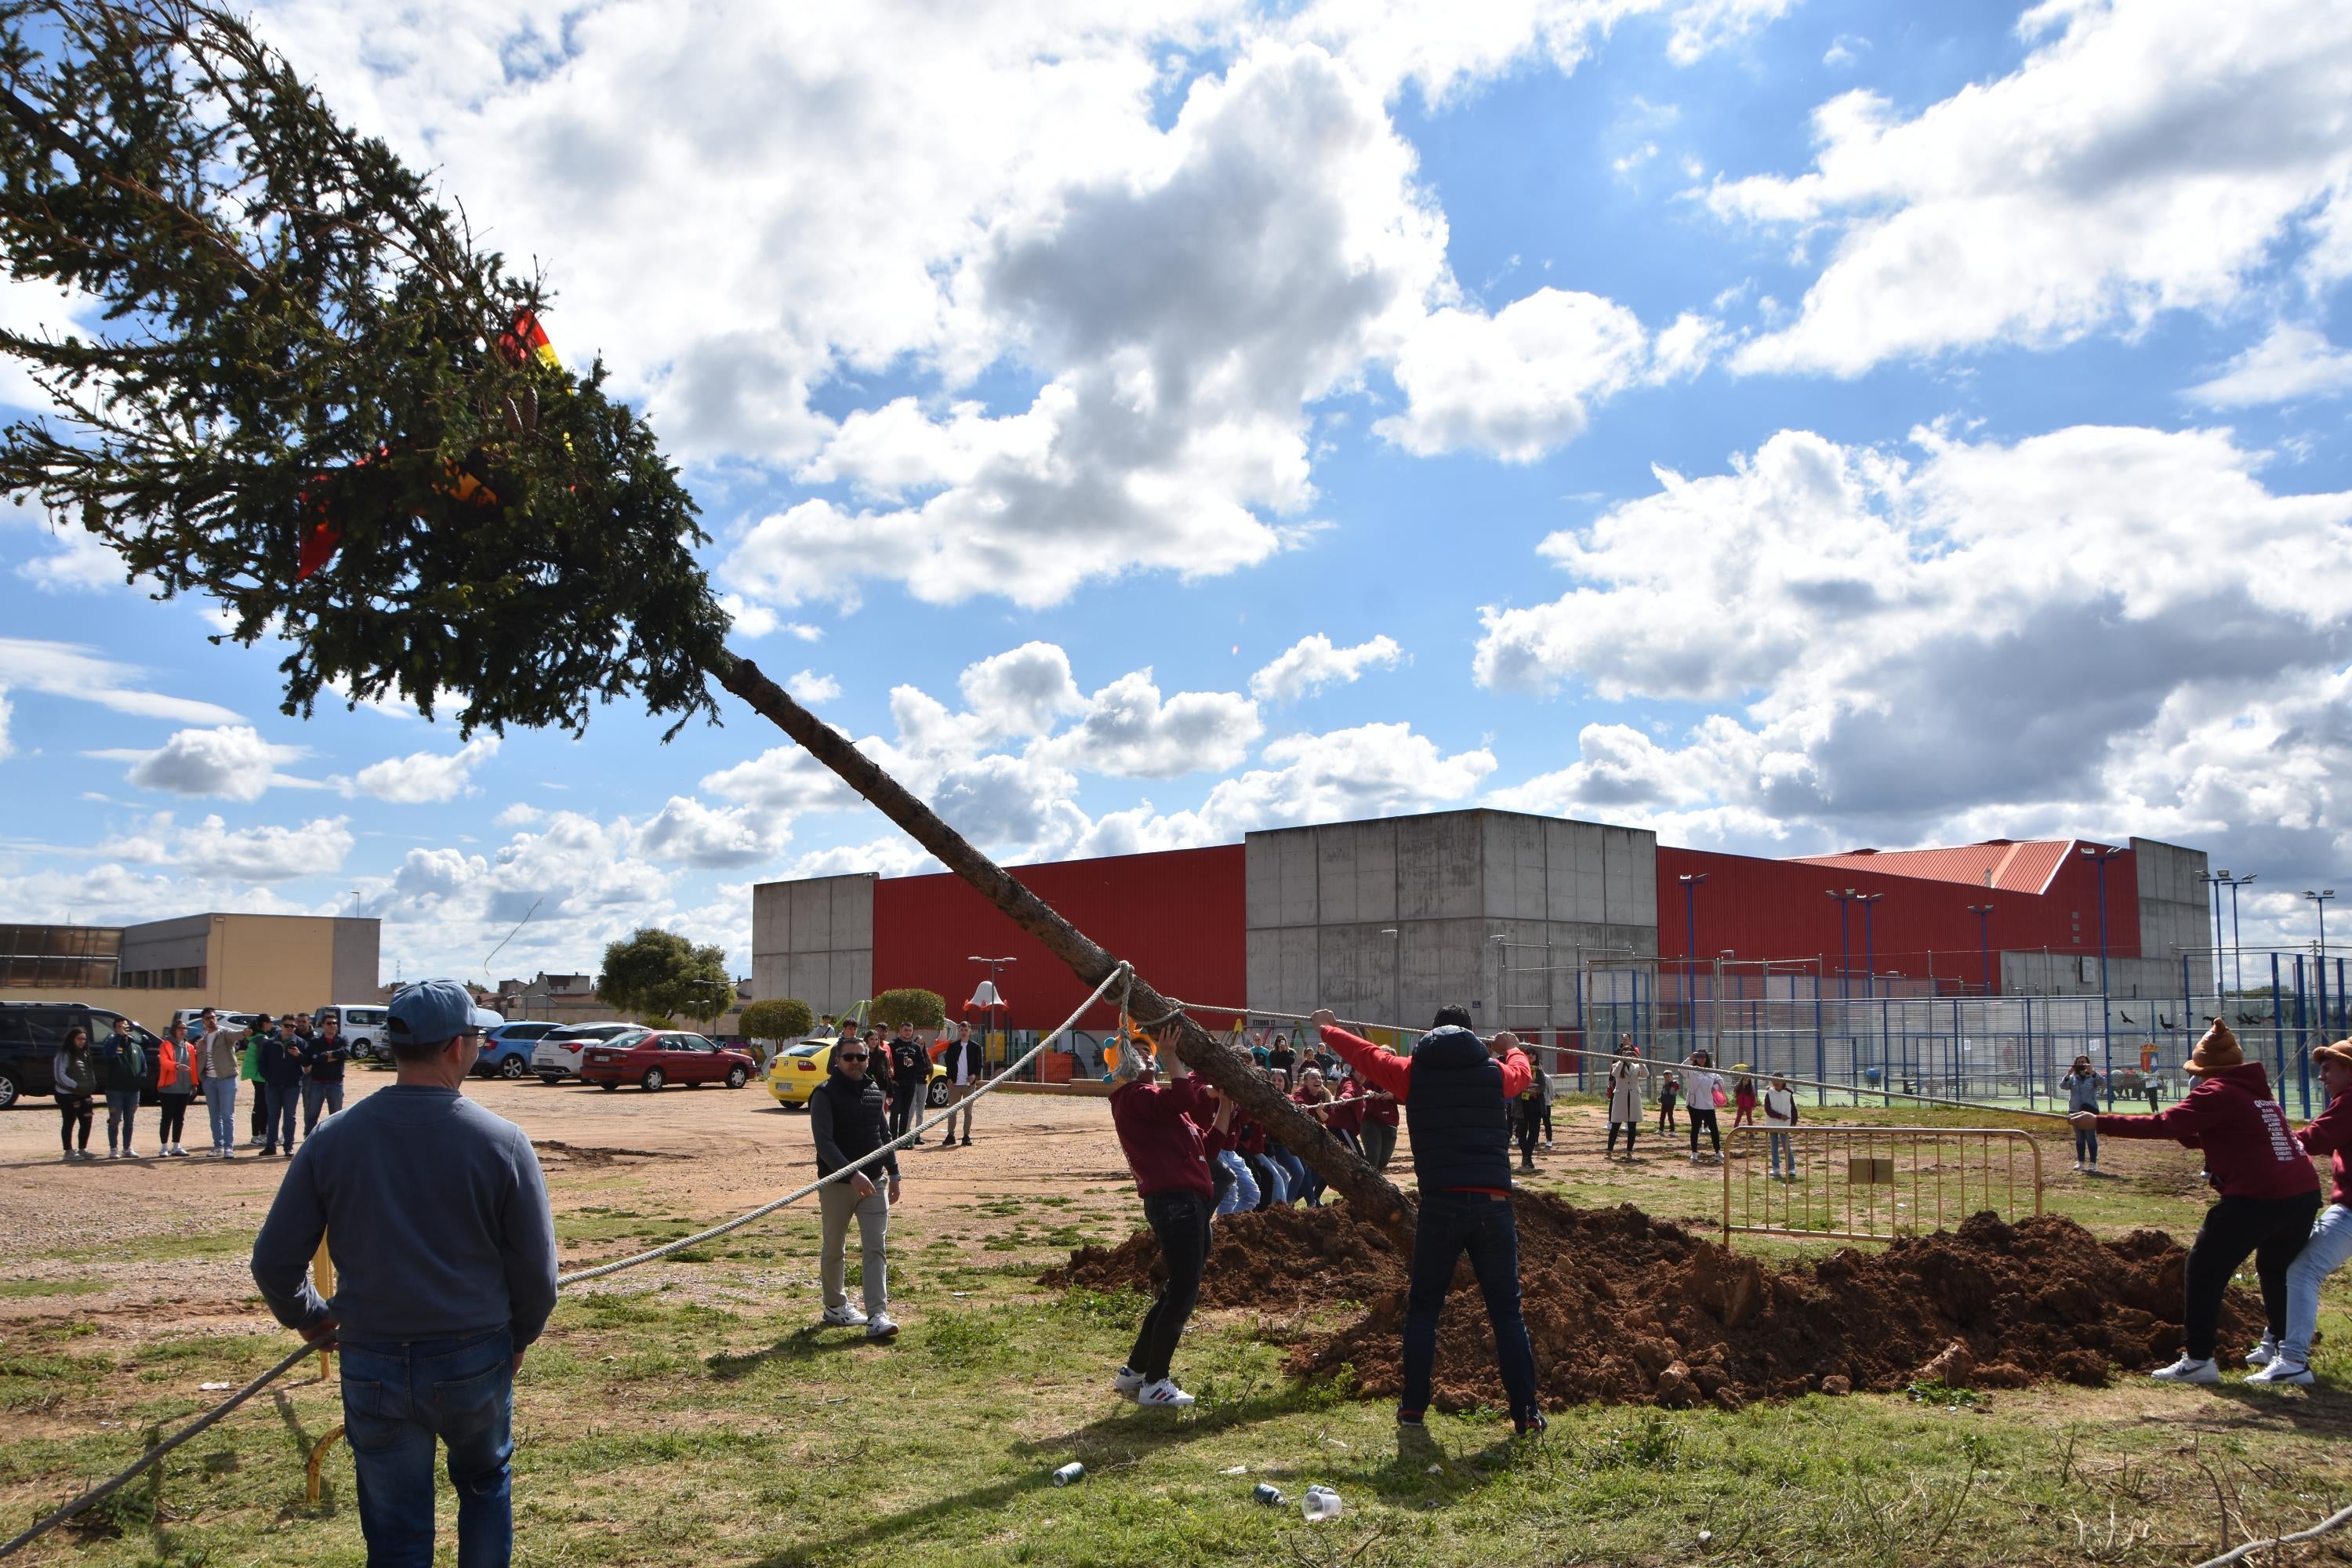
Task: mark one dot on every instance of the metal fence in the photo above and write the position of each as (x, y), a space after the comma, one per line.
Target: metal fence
(1874, 1183)
(1874, 1034)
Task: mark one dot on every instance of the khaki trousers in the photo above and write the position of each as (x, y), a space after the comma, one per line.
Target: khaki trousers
(958, 1093)
(838, 1202)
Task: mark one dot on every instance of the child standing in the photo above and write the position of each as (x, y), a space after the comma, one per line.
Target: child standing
(1669, 1091)
(1780, 1111)
(1743, 1100)
(2082, 1087)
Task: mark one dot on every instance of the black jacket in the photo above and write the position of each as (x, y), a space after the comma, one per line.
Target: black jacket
(847, 1122)
(974, 1069)
(1460, 1124)
(907, 1060)
(325, 1062)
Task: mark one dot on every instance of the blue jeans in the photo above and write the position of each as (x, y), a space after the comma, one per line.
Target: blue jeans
(316, 1093)
(220, 1105)
(1273, 1186)
(397, 1400)
(122, 1111)
(1450, 1224)
(1779, 1146)
(2086, 1145)
(277, 1131)
(2329, 1244)
(1243, 1194)
(1294, 1176)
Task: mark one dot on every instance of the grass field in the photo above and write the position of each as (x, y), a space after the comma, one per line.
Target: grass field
(688, 1414)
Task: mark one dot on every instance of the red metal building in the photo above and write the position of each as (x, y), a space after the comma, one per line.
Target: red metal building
(2044, 895)
(1179, 911)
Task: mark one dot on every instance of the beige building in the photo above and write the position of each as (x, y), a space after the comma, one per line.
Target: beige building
(571, 999)
(274, 963)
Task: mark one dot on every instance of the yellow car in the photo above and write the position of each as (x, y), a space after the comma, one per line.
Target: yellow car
(793, 1076)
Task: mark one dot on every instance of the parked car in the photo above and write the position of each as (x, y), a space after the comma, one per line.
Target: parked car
(362, 1030)
(793, 1076)
(30, 1034)
(659, 1057)
(556, 1056)
(508, 1050)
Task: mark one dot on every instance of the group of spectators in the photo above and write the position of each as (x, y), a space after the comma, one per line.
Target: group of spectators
(1695, 1082)
(291, 1064)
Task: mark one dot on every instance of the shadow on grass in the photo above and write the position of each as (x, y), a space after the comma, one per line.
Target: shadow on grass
(1126, 1436)
(803, 1344)
(2318, 1412)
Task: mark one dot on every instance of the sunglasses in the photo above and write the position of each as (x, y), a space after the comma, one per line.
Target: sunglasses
(853, 1055)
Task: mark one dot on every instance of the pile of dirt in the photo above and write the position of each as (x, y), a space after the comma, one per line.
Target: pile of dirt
(1624, 1308)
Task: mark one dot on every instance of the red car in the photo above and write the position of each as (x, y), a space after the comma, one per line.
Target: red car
(656, 1057)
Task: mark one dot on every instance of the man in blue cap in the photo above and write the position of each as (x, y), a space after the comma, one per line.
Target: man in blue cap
(436, 1215)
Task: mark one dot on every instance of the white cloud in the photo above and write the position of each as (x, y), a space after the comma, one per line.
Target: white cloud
(687, 833)
(422, 777)
(521, 816)
(2293, 361)
(232, 763)
(1311, 663)
(2145, 156)
(212, 850)
(2007, 630)
(809, 687)
(72, 671)
(1127, 730)
(1022, 691)
(1515, 384)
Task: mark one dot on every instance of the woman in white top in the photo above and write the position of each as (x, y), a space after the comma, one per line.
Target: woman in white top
(1628, 1076)
(1780, 1111)
(1701, 1086)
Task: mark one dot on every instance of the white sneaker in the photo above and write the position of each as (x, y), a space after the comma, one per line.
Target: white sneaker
(179, 1153)
(2280, 1370)
(2187, 1369)
(2078, 1165)
(880, 1327)
(229, 1154)
(2263, 1353)
(68, 1156)
(844, 1316)
(114, 1153)
(1128, 1383)
(1163, 1395)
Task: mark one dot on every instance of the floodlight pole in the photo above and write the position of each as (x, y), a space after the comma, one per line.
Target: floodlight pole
(2099, 857)
(1690, 881)
(1984, 940)
(2319, 901)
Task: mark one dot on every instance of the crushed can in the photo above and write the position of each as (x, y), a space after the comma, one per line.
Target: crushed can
(1073, 1471)
(1268, 1493)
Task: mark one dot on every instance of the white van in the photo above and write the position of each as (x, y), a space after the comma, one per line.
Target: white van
(362, 1030)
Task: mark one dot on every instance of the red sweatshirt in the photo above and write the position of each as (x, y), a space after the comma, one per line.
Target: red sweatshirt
(1382, 1068)
(2249, 1147)
(2330, 1134)
(1158, 1134)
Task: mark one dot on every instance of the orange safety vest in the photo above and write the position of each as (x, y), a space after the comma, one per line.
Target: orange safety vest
(175, 1061)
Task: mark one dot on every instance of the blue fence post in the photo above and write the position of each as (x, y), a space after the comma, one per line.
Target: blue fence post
(2302, 1045)
(1821, 1054)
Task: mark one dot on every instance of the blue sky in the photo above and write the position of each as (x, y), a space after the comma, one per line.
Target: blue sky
(1789, 425)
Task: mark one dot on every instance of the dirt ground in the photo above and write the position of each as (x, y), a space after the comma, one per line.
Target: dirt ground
(716, 1151)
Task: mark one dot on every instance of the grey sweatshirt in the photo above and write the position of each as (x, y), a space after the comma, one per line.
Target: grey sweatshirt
(436, 1215)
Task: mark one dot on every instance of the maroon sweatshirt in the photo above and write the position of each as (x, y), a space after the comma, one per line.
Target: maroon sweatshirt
(2249, 1148)
(2330, 1134)
(1159, 1133)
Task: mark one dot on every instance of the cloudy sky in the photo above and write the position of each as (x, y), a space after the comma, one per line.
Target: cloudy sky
(1791, 425)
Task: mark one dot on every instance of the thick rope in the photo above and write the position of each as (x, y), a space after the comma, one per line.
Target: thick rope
(2333, 1521)
(107, 1487)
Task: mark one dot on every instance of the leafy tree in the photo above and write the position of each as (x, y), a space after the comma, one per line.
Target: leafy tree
(660, 972)
(311, 396)
(778, 1018)
(924, 1009)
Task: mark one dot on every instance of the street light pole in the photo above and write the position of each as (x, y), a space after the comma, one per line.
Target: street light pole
(2215, 880)
(994, 999)
(1870, 985)
(1984, 940)
(1690, 882)
(2319, 900)
(2099, 857)
(2237, 952)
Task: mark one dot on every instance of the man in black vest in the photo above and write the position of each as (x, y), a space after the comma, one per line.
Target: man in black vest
(1456, 1094)
(849, 1118)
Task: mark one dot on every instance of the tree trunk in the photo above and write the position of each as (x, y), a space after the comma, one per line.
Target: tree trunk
(1368, 1193)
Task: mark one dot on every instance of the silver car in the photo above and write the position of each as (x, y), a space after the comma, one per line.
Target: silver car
(556, 1056)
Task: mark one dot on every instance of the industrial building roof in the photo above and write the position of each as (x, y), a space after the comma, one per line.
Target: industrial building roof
(2012, 865)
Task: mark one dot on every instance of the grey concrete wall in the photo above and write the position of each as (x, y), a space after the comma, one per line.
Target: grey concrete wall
(2176, 909)
(359, 958)
(813, 939)
(1388, 919)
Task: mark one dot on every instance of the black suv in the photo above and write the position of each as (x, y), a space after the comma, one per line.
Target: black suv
(30, 1034)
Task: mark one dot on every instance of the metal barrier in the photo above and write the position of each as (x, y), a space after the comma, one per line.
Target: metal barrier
(1875, 1183)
